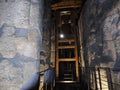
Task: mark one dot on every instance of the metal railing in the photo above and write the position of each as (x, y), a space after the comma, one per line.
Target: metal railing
(48, 79)
(100, 78)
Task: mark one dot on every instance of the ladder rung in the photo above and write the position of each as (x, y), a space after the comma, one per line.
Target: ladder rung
(67, 77)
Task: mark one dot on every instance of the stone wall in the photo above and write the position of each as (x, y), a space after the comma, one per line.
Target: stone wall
(20, 42)
(52, 57)
(101, 26)
(101, 37)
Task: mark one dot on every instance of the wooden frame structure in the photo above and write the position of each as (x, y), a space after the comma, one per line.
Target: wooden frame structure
(58, 10)
(58, 60)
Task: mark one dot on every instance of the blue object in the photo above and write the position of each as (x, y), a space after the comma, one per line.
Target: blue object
(49, 76)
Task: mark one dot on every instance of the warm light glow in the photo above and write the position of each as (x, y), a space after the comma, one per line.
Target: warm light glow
(61, 36)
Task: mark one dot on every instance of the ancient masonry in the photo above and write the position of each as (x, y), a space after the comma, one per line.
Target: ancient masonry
(20, 42)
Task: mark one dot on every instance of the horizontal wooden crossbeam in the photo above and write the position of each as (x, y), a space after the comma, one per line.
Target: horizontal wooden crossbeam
(67, 4)
(66, 59)
(65, 47)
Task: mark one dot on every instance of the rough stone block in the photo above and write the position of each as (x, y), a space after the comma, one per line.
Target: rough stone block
(26, 48)
(21, 32)
(15, 13)
(7, 49)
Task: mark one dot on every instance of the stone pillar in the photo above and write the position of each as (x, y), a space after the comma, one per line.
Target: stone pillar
(52, 57)
(45, 51)
(20, 41)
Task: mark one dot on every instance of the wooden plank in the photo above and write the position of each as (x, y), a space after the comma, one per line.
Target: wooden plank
(65, 47)
(66, 40)
(66, 59)
(67, 4)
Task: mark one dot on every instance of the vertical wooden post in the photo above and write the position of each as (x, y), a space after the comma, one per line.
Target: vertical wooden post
(74, 27)
(99, 75)
(56, 37)
(76, 53)
(109, 78)
(96, 86)
(57, 62)
(76, 56)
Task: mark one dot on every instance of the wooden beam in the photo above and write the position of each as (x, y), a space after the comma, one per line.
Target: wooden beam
(66, 40)
(66, 59)
(67, 4)
(65, 47)
(61, 7)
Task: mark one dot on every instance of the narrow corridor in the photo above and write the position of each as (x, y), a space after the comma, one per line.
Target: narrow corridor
(59, 44)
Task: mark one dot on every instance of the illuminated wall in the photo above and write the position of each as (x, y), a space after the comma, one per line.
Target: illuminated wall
(20, 42)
